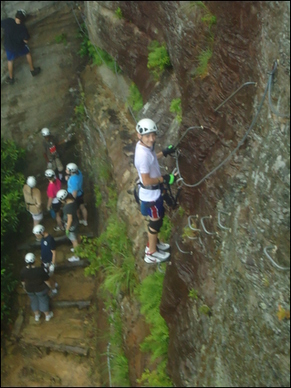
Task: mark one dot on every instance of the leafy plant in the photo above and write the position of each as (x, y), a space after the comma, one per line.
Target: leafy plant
(98, 196)
(62, 38)
(209, 20)
(203, 59)
(282, 313)
(135, 98)
(156, 378)
(158, 58)
(79, 110)
(166, 229)
(118, 13)
(193, 294)
(181, 211)
(188, 233)
(176, 108)
(204, 309)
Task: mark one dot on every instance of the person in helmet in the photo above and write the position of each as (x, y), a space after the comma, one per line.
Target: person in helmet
(53, 203)
(15, 43)
(51, 154)
(150, 195)
(70, 219)
(75, 187)
(48, 254)
(35, 282)
(32, 198)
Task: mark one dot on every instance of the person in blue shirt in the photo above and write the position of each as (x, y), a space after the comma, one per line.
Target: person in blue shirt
(75, 187)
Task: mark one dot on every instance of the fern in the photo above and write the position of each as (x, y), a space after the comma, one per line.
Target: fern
(135, 98)
(158, 58)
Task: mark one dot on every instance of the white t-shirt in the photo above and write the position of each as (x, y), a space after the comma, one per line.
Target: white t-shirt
(146, 162)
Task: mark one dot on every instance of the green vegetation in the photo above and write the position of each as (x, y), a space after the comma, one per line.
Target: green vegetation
(158, 59)
(188, 233)
(176, 108)
(166, 229)
(97, 55)
(203, 59)
(135, 98)
(98, 196)
(62, 38)
(118, 13)
(12, 205)
(204, 309)
(181, 211)
(149, 293)
(193, 294)
(79, 110)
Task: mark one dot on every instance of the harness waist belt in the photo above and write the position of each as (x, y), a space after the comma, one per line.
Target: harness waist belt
(149, 187)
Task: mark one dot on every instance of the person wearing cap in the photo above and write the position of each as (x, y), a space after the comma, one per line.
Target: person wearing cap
(32, 198)
(53, 204)
(35, 282)
(150, 193)
(15, 43)
(50, 144)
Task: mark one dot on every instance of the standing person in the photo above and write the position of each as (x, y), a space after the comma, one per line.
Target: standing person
(48, 254)
(75, 187)
(53, 203)
(146, 163)
(32, 198)
(35, 281)
(51, 154)
(70, 219)
(15, 43)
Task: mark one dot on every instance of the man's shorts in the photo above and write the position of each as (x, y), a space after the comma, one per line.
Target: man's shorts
(56, 206)
(73, 235)
(11, 55)
(37, 217)
(154, 210)
(80, 200)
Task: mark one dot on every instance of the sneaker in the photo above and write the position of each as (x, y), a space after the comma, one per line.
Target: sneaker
(36, 317)
(156, 257)
(56, 285)
(49, 316)
(85, 223)
(73, 258)
(9, 81)
(72, 250)
(54, 292)
(160, 245)
(35, 72)
(58, 229)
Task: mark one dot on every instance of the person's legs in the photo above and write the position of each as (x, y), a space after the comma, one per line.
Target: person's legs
(59, 220)
(153, 239)
(84, 212)
(29, 60)
(10, 69)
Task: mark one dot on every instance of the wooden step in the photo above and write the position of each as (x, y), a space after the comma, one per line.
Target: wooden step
(81, 304)
(61, 239)
(83, 351)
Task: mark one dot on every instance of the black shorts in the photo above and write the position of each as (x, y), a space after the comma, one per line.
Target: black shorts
(80, 200)
(56, 206)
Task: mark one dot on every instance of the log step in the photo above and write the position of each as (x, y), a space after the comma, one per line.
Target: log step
(36, 244)
(57, 347)
(69, 303)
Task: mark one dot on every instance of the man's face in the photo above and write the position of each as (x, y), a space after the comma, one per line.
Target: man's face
(149, 139)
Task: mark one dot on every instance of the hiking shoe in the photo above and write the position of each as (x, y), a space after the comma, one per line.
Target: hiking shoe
(54, 292)
(58, 229)
(56, 285)
(72, 250)
(73, 258)
(9, 81)
(36, 317)
(156, 257)
(160, 246)
(49, 316)
(35, 72)
(85, 223)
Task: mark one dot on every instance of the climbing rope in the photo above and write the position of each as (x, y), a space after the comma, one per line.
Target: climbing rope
(108, 364)
(239, 144)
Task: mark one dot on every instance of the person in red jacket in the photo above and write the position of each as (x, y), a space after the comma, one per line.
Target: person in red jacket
(53, 204)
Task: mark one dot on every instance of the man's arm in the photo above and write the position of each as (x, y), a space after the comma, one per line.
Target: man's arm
(148, 181)
(54, 253)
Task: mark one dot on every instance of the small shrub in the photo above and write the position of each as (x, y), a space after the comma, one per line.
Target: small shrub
(98, 196)
(135, 98)
(204, 309)
(176, 108)
(181, 211)
(203, 59)
(188, 233)
(193, 294)
(118, 13)
(166, 229)
(158, 58)
(62, 38)
(155, 378)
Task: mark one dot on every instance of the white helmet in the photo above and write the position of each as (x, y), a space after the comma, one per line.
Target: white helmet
(38, 229)
(45, 132)
(31, 181)
(146, 126)
(62, 195)
(72, 167)
(49, 173)
(29, 258)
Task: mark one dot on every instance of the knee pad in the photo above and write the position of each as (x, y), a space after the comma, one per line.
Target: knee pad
(155, 225)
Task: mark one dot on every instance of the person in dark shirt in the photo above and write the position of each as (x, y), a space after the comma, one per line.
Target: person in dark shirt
(70, 219)
(15, 42)
(35, 282)
(48, 254)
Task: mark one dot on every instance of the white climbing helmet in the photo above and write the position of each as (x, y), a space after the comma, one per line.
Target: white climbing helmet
(72, 167)
(49, 173)
(45, 132)
(31, 181)
(29, 258)
(62, 195)
(38, 229)
(21, 15)
(146, 126)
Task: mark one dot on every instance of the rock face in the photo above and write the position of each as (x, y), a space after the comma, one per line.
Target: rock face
(230, 335)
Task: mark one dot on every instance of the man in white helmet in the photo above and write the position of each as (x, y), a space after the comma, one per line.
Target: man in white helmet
(150, 195)
(32, 198)
(75, 187)
(51, 154)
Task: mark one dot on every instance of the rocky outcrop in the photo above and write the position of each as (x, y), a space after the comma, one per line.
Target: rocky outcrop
(231, 333)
